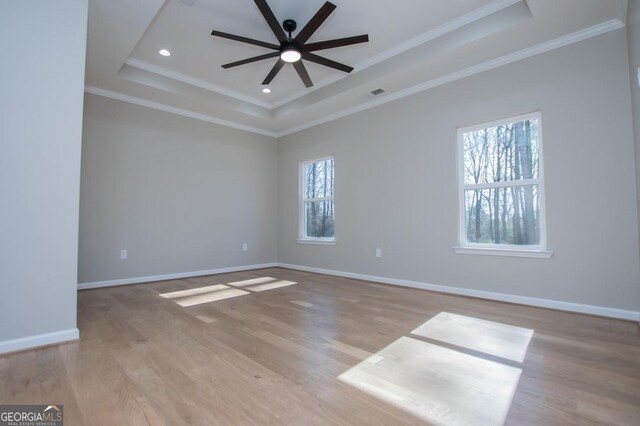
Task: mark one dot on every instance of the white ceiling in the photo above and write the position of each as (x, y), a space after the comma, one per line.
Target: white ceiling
(414, 45)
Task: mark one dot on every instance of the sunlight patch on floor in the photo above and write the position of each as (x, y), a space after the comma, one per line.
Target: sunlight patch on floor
(443, 385)
(211, 297)
(270, 286)
(501, 340)
(439, 385)
(253, 281)
(212, 293)
(193, 291)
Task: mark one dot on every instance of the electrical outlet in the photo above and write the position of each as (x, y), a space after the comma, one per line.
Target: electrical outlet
(245, 247)
(378, 252)
(123, 254)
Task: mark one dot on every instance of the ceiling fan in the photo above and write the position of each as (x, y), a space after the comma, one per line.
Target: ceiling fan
(290, 49)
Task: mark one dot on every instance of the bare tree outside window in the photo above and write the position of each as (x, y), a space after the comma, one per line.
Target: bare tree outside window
(502, 183)
(317, 203)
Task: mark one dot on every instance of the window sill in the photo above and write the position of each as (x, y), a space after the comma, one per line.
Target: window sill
(540, 254)
(316, 241)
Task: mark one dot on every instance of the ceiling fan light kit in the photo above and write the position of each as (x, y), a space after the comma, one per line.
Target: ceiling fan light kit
(290, 55)
(293, 50)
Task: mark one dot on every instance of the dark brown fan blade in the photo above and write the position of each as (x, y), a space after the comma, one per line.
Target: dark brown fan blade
(271, 20)
(315, 22)
(274, 71)
(339, 42)
(245, 40)
(302, 72)
(326, 62)
(249, 60)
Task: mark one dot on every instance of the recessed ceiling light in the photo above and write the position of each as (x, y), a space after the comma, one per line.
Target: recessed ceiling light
(266, 90)
(164, 52)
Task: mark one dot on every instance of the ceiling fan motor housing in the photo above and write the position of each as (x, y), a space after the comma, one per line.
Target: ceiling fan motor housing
(289, 26)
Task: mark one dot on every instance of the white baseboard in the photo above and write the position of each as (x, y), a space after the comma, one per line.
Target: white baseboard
(46, 339)
(176, 276)
(501, 297)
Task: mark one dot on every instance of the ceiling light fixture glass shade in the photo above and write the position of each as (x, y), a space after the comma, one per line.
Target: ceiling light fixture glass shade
(290, 55)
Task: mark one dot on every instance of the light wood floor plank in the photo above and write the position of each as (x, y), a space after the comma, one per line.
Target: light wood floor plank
(274, 357)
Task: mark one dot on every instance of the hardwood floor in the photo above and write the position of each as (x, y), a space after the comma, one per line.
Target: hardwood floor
(274, 356)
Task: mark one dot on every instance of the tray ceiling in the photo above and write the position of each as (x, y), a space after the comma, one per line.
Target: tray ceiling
(414, 45)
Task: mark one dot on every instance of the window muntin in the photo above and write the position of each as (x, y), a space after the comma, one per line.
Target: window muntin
(502, 188)
(317, 205)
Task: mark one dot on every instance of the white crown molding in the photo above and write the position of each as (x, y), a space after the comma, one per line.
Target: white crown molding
(39, 340)
(432, 34)
(146, 66)
(176, 276)
(547, 46)
(174, 110)
(601, 311)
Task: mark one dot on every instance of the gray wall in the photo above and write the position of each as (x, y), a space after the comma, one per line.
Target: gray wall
(41, 93)
(396, 182)
(179, 194)
(633, 35)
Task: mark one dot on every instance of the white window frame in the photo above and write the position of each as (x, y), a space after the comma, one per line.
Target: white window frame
(302, 218)
(465, 247)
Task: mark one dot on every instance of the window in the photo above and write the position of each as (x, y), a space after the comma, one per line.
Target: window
(501, 185)
(317, 211)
